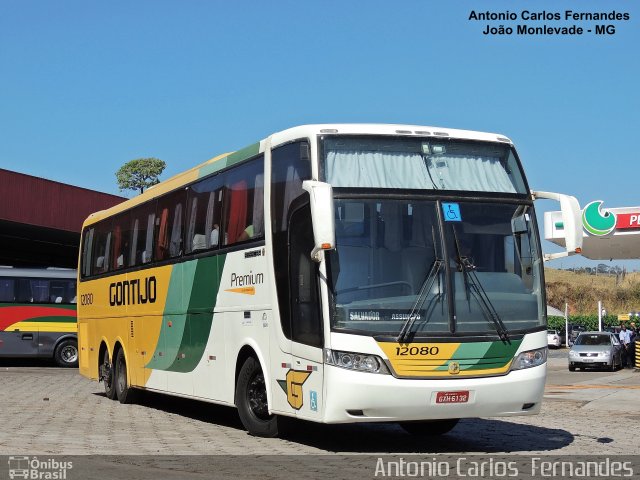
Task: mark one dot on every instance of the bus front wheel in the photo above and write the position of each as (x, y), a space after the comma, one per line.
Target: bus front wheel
(251, 400)
(430, 427)
(124, 392)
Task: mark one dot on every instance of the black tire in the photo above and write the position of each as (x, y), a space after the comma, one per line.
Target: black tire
(107, 376)
(613, 368)
(251, 400)
(430, 427)
(66, 354)
(124, 392)
(572, 368)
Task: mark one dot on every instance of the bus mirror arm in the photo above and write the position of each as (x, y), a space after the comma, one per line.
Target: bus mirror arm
(571, 223)
(322, 217)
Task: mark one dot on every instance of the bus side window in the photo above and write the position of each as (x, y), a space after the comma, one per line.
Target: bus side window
(7, 289)
(40, 291)
(142, 229)
(169, 226)
(204, 215)
(121, 241)
(101, 248)
(57, 292)
(23, 291)
(72, 295)
(87, 245)
(244, 202)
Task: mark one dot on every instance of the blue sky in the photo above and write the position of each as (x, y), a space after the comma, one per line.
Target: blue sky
(87, 86)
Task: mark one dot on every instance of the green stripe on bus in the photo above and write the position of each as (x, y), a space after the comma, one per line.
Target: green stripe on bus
(483, 355)
(231, 159)
(243, 154)
(170, 337)
(468, 351)
(498, 355)
(206, 284)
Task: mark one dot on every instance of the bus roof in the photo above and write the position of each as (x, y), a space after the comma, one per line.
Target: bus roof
(295, 133)
(38, 272)
(383, 129)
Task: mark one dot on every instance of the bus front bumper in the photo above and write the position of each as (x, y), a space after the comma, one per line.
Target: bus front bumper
(366, 397)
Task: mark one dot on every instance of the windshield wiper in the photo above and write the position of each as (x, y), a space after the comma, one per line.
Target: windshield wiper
(472, 284)
(422, 296)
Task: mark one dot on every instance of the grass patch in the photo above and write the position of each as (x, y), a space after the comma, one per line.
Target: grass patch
(582, 292)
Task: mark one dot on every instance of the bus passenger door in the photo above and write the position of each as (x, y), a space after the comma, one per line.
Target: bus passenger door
(306, 324)
(296, 350)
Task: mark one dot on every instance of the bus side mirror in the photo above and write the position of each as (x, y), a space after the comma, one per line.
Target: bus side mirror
(571, 222)
(322, 217)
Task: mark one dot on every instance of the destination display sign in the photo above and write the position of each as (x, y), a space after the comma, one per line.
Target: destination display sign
(384, 315)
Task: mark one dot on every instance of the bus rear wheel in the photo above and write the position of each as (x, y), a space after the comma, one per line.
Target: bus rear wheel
(106, 374)
(251, 400)
(430, 427)
(66, 354)
(124, 392)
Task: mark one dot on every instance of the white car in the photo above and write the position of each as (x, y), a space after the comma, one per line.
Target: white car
(553, 338)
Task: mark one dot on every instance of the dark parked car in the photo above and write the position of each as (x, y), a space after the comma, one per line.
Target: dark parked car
(574, 331)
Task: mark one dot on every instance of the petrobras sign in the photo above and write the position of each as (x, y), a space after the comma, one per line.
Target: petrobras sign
(600, 222)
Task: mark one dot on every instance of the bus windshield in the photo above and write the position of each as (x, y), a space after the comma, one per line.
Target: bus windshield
(399, 259)
(421, 164)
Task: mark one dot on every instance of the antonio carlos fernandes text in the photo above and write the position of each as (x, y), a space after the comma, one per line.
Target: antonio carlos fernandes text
(537, 467)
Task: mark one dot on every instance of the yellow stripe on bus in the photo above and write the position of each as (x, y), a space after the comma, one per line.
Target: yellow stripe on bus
(245, 290)
(43, 327)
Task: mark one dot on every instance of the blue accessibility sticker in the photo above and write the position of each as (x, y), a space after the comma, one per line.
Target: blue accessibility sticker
(314, 401)
(451, 212)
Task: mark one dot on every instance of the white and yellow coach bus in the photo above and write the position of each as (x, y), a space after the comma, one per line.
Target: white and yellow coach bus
(334, 273)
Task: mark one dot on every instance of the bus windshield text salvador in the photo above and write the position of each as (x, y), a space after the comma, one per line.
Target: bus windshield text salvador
(334, 273)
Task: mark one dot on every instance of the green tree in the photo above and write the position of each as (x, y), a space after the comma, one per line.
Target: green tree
(140, 173)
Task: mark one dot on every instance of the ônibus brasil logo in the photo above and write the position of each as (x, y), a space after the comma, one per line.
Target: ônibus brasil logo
(597, 221)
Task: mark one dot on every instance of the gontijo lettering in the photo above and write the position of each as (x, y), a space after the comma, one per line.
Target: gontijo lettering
(133, 292)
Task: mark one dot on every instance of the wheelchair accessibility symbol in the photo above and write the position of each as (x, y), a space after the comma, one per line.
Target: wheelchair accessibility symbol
(451, 212)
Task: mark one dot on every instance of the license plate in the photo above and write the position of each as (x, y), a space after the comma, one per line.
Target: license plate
(587, 360)
(453, 397)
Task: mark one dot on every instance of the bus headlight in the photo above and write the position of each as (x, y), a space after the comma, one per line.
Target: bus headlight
(360, 362)
(531, 358)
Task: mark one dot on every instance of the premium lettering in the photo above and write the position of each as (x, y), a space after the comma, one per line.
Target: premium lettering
(246, 280)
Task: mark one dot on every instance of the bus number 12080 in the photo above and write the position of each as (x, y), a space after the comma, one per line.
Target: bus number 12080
(425, 350)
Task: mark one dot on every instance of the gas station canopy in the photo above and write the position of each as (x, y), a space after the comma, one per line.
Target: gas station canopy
(612, 233)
